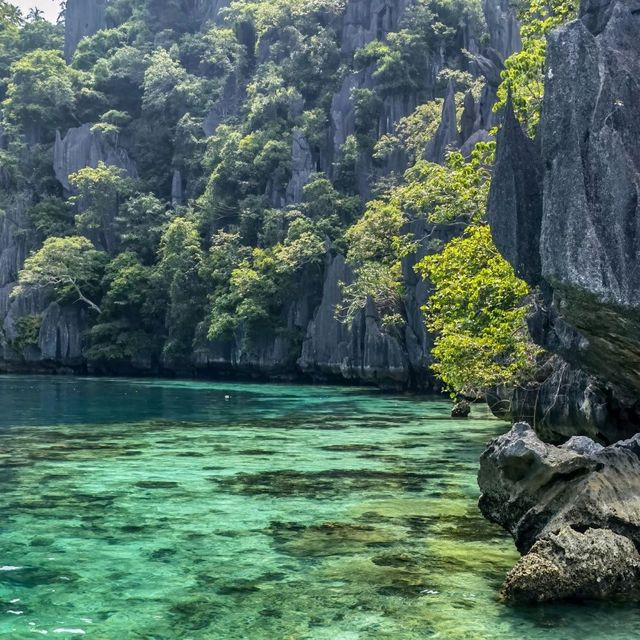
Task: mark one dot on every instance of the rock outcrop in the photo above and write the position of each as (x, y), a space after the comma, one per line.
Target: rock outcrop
(579, 241)
(82, 18)
(367, 20)
(81, 148)
(595, 565)
(503, 27)
(538, 492)
(591, 218)
(531, 488)
(362, 352)
(446, 135)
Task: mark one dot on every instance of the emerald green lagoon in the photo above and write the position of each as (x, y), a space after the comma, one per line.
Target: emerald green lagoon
(162, 510)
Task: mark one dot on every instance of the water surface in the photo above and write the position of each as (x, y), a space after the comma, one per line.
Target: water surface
(164, 510)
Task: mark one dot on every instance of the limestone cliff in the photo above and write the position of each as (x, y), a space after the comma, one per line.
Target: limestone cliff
(312, 343)
(567, 217)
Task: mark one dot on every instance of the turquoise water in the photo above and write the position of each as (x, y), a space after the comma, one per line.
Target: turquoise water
(166, 510)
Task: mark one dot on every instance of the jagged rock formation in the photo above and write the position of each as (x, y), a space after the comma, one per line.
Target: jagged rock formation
(361, 352)
(447, 133)
(538, 491)
(367, 20)
(81, 148)
(588, 218)
(82, 18)
(532, 488)
(302, 166)
(60, 338)
(503, 27)
(516, 194)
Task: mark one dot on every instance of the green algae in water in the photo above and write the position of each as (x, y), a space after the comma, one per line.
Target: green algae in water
(165, 510)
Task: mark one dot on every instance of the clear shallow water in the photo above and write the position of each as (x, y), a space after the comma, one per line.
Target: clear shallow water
(162, 510)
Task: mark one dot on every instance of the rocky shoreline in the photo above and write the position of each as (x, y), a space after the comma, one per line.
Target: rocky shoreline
(573, 511)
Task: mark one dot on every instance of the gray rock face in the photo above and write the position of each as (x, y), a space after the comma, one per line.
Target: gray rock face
(82, 18)
(581, 246)
(302, 166)
(80, 148)
(595, 565)
(503, 27)
(567, 402)
(361, 352)
(368, 20)
(533, 489)
(514, 208)
(210, 9)
(226, 106)
(60, 339)
(177, 188)
(591, 218)
(446, 135)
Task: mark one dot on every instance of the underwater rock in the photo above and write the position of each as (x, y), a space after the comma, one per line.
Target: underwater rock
(595, 565)
(462, 409)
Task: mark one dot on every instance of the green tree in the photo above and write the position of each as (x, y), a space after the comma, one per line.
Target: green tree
(42, 93)
(131, 324)
(140, 223)
(181, 261)
(70, 266)
(100, 192)
(478, 316)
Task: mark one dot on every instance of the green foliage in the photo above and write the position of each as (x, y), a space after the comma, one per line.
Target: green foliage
(140, 223)
(42, 93)
(277, 13)
(376, 246)
(478, 315)
(131, 323)
(180, 264)
(523, 76)
(252, 285)
(429, 27)
(52, 217)
(70, 266)
(100, 191)
(456, 190)
(169, 90)
(27, 332)
(412, 133)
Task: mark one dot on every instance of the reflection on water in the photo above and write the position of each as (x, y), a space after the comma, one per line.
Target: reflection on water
(167, 510)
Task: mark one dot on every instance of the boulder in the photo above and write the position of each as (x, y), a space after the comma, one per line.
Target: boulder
(461, 409)
(595, 565)
(533, 489)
